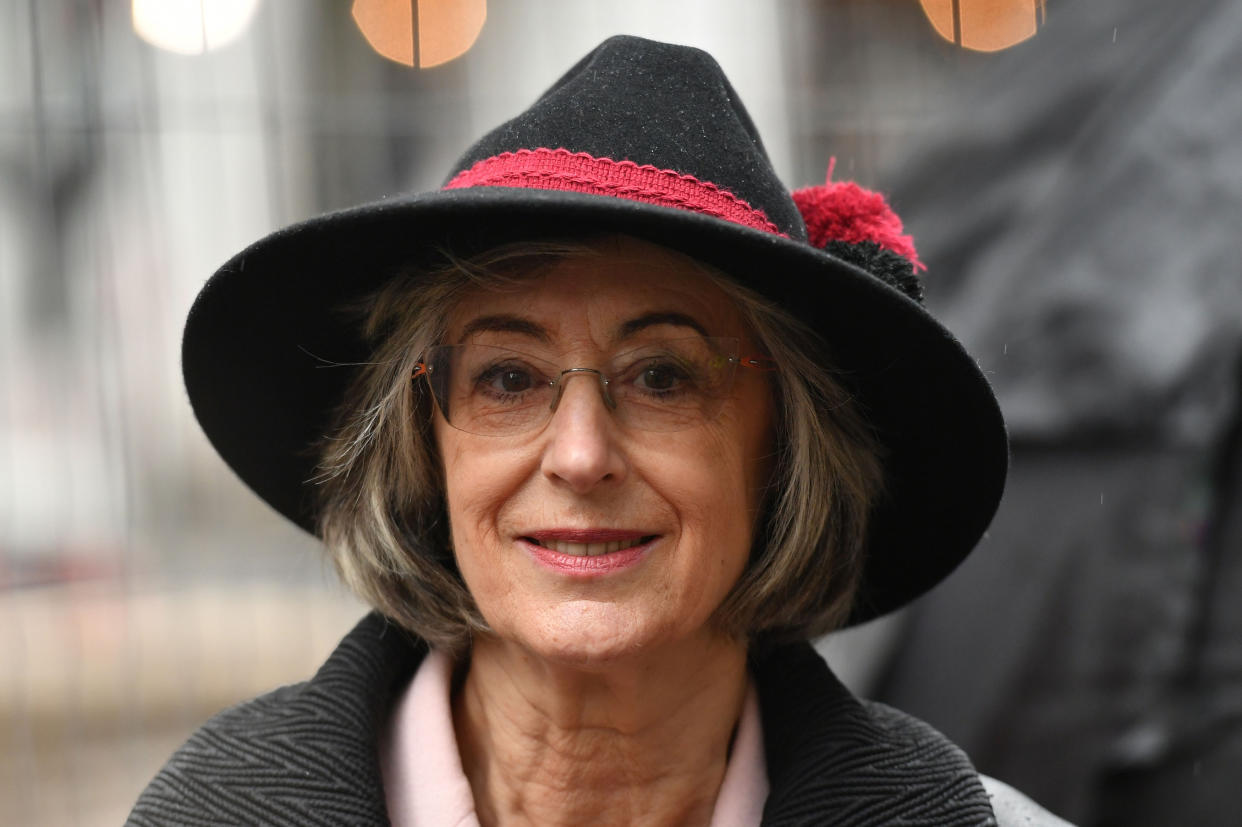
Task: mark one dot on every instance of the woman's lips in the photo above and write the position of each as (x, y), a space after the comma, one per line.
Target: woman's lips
(592, 548)
(588, 551)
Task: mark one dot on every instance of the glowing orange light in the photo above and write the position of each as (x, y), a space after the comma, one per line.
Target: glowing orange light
(420, 33)
(985, 25)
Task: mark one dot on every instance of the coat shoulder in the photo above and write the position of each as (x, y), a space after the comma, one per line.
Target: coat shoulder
(243, 766)
(305, 754)
(1013, 809)
(1010, 807)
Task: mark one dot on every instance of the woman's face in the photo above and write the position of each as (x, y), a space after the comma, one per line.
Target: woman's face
(684, 501)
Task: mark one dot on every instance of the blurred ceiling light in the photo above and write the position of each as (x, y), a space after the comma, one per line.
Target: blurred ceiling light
(985, 25)
(420, 33)
(192, 27)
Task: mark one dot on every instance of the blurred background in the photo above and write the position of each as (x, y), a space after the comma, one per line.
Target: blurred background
(1071, 171)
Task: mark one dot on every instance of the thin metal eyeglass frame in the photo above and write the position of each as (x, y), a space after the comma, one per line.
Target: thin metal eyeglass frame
(763, 364)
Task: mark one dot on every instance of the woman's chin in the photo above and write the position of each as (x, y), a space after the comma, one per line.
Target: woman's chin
(593, 635)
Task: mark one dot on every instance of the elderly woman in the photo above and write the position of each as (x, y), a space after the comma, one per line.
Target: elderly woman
(604, 430)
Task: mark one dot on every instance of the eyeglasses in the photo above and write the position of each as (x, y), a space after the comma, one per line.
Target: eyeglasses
(666, 385)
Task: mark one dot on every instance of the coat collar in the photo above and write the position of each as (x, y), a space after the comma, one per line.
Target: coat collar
(309, 754)
(833, 759)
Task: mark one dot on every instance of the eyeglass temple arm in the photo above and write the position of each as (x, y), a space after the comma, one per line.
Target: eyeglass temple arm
(762, 363)
(420, 369)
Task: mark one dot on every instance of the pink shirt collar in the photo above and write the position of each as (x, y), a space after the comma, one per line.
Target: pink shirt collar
(424, 782)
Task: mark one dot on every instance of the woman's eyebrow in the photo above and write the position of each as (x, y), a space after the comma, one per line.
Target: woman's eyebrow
(503, 323)
(646, 320)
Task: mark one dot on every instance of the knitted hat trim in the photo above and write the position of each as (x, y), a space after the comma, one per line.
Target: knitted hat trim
(560, 169)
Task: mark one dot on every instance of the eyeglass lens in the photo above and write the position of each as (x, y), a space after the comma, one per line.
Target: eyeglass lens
(666, 385)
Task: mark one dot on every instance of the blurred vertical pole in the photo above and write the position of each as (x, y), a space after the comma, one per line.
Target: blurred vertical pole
(272, 119)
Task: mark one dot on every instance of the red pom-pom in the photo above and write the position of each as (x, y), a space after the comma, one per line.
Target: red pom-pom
(844, 211)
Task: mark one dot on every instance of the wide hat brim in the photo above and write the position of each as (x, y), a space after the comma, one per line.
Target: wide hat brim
(268, 354)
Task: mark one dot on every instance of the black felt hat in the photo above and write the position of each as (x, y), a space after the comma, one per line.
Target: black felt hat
(650, 140)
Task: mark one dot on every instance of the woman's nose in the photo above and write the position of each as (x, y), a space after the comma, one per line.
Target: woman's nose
(583, 448)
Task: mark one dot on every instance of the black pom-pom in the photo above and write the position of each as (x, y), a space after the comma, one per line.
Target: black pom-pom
(887, 266)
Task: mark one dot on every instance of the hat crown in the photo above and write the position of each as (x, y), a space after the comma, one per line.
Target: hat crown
(657, 104)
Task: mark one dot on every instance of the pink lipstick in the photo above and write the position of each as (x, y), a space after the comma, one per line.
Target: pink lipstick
(588, 552)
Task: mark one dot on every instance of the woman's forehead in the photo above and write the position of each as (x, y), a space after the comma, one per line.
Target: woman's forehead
(614, 291)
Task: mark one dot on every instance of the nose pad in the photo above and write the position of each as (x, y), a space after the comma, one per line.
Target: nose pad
(568, 374)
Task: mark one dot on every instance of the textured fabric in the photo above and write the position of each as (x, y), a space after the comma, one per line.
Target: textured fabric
(842, 211)
(835, 760)
(560, 169)
(309, 754)
(424, 782)
(652, 103)
(302, 755)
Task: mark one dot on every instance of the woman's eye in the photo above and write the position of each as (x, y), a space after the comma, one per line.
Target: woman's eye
(660, 378)
(512, 381)
(505, 379)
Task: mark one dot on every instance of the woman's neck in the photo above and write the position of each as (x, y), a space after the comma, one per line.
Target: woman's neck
(640, 742)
